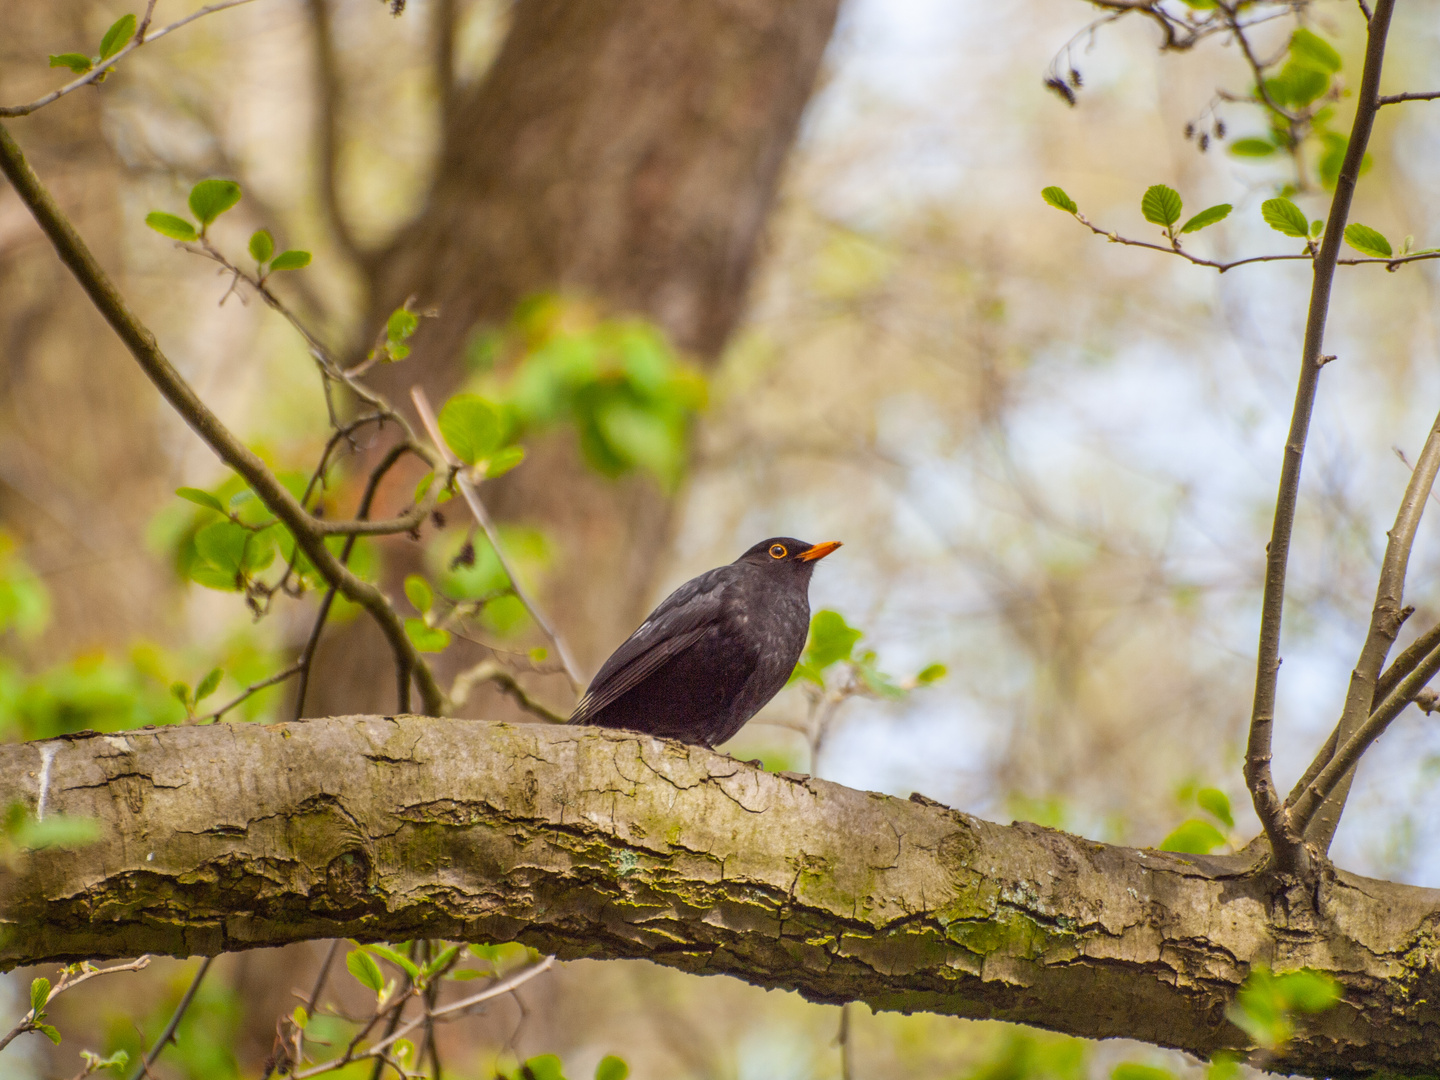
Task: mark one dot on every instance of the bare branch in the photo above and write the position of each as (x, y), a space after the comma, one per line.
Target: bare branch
(491, 671)
(99, 70)
(249, 692)
(1285, 843)
(1385, 620)
(1407, 661)
(157, 367)
(482, 518)
(1396, 99)
(142, 1067)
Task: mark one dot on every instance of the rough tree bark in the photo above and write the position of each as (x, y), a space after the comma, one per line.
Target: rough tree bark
(627, 153)
(605, 844)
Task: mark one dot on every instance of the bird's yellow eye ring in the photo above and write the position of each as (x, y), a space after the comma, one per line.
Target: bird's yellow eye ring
(777, 551)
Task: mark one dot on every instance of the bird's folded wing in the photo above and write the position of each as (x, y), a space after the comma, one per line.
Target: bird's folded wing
(607, 691)
(680, 621)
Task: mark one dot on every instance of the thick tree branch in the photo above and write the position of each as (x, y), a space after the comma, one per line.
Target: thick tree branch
(1385, 620)
(607, 844)
(1285, 843)
(157, 367)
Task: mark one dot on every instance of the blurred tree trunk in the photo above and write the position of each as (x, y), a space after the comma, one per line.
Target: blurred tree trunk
(77, 472)
(624, 152)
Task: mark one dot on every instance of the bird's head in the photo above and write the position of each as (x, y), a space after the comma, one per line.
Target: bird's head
(785, 554)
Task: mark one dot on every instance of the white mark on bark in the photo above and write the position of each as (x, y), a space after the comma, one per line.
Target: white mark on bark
(119, 742)
(47, 759)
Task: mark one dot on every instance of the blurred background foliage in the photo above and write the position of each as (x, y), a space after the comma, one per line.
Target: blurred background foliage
(1052, 460)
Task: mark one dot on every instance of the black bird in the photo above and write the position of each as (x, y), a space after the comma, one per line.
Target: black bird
(718, 648)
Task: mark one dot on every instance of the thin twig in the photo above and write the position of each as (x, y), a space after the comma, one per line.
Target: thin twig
(1396, 99)
(482, 517)
(321, 979)
(1285, 843)
(69, 979)
(1386, 618)
(248, 692)
(1406, 662)
(491, 671)
(143, 1066)
(140, 38)
(231, 450)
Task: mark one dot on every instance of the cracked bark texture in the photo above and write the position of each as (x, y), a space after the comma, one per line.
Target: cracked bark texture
(606, 844)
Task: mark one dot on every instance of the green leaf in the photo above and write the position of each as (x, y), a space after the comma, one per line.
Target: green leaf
(1297, 85)
(363, 966)
(1309, 48)
(1057, 198)
(1193, 837)
(300, 1018)
(262, 245)
(808, 673)
(121, 31)
(58, 831)
(1209, 216)
(1131, 1070)
(1217, 804)
(931, 673)
(201, 498)
(401, 324)
(1161, 205)
(176, 228)
(611, 1068)
(503, 461)
(222, 544)
(425, 637)
(472, 427)
(93, 1062)
(290, 260)
(1284, 216)
(439, 962)
(419, 593)
(1253, 147)
(466, 974)
(400, 960)
(544, 1067)
(208, 684)
(211, 198)
(1367, 241)
(1307, 991)
(831, 639)
(50, 1032)
(181, 692)
(39, 995)
(79, 63)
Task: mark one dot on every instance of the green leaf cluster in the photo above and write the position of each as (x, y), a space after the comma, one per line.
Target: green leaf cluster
(631, 400)
(208, 200)
(422, 631)
(115, 39)
(831, 645)
(39, 998)
(1162, 205)
(480, 434)
(1197, 836)
(401, 324)
(550, 1067)
(1268, 1004)
(467, 571)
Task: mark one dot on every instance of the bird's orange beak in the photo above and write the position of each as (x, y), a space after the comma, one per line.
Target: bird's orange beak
(819, 551)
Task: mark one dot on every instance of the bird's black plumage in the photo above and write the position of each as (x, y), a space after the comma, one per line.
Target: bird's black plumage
(715, 651)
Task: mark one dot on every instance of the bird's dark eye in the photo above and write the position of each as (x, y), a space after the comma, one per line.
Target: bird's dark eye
(777, 551)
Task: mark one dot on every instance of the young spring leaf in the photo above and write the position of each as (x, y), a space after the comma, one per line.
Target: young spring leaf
(544, 1067)
(39, 995)
(121, 31)
(363, 966)
(1193, 837)
(1367, 241)
(425, 637)
(50, 1032)
(181, 692)
(440, 961)
(176, 228)
(503, 461)
(79, 63)
(1284, 216)
(419, 593)
(611, 1068)
(200, 498)
(930, 673)
(1057, 198)
(401, 324)
(290, 260)
(300, 1018)
(1161, 205)
(832, 639)
(400, 960)
(1216, 803)
(471, 426)
(211, 198)
(208, 685)
(1310, 49)
(262, 245)
(1253, 147)
(1209, 216)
